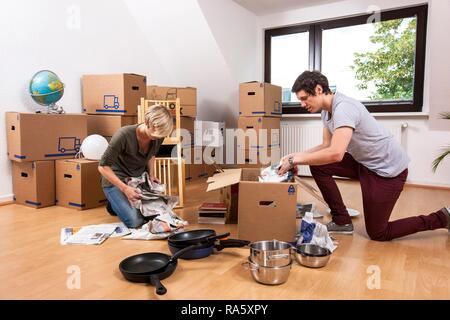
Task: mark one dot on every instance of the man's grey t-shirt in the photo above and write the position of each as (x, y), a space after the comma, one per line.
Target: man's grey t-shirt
(371, 144)
(124, 157)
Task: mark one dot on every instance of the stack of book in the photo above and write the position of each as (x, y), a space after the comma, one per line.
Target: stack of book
(212, 212)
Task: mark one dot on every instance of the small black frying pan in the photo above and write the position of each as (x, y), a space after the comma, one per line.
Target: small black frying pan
(151, 267)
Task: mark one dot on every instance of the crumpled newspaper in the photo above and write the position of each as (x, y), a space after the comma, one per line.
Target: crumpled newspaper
(161, 227)
(270, 174)
(315, 233)
(154, 203)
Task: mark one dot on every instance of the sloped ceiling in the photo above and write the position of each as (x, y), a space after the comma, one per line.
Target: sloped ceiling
(263, 7)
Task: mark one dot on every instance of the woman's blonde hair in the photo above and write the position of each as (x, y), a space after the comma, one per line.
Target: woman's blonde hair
(159, 119)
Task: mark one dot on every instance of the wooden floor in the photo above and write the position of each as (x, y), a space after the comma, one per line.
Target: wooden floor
(33, 265)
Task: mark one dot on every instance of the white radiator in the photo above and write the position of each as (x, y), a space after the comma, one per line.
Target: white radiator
(296, 138)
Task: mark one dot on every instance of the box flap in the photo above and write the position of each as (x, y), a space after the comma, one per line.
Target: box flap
(81, 160)
(224, 179)
(310, 189)
(254, 81)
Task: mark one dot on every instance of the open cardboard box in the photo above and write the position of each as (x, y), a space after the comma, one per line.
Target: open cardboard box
(266, 210)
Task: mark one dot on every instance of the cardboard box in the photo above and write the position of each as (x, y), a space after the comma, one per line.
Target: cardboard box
(36, 136)
(259, 99)
(209, 133)
(260, 132)
(187, 95)
(78, 184)
(118, 94)
(197, 172)
(265, 210)
(106, 125)
(34, 183)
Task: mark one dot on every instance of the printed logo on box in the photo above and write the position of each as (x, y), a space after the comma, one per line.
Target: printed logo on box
(291, 190)
(67, 146)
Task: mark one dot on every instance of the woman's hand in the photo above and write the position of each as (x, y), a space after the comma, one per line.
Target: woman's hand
(132, 194)
(155, 180)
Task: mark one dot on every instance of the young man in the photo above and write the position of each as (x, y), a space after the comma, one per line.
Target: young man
(131, 151)
(356, 146)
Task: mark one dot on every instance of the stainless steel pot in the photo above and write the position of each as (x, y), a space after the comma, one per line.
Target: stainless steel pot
(271, 253)
(268, 275)
(311, 255)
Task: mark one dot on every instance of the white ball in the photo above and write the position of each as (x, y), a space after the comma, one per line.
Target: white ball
(93, 147)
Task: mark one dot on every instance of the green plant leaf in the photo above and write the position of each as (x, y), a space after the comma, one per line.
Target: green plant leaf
(440, 158)
(444, 115)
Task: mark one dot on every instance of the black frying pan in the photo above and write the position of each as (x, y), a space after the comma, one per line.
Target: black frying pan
(151, 267)
(207, 249)
(204, 236)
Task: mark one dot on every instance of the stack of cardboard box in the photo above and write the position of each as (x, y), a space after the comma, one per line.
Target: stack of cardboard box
(196, 168)
(188, 111)
(35, 142)
(110, 101)
(259, 118)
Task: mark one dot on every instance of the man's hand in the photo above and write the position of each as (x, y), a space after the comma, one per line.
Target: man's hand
(132, 194)
(285, 166)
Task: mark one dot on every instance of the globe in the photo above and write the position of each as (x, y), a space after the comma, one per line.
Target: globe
(46, 88)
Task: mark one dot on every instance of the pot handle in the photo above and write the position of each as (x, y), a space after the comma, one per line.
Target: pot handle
(250, 265)
(160, 289)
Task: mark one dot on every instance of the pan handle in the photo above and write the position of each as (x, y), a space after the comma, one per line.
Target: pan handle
(160, 289)
(218, 236)
(231, 243)
(182, 251)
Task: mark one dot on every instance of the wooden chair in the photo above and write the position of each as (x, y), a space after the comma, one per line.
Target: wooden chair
(162, 167)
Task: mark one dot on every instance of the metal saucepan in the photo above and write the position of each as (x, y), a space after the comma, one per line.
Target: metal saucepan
(311, 255)
(271, 253)
(268, 275)
(151, 267)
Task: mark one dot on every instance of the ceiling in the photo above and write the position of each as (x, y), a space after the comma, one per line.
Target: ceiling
(263, 7)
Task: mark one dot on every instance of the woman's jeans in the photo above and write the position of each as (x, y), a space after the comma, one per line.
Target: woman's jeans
(130, 216)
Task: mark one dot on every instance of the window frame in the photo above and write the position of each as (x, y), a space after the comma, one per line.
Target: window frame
(315, 55)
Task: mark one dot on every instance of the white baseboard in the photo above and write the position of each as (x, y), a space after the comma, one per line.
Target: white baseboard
(6, 198)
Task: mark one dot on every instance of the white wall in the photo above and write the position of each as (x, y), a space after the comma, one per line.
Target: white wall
(424, 137)
(172, 42)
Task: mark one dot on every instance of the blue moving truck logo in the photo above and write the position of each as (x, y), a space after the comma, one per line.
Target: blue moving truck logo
(110, 101)
(68, 144)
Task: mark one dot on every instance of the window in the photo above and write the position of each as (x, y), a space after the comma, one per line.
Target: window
(377, 61)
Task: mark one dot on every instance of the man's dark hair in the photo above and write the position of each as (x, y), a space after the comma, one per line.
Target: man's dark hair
(308, 81)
